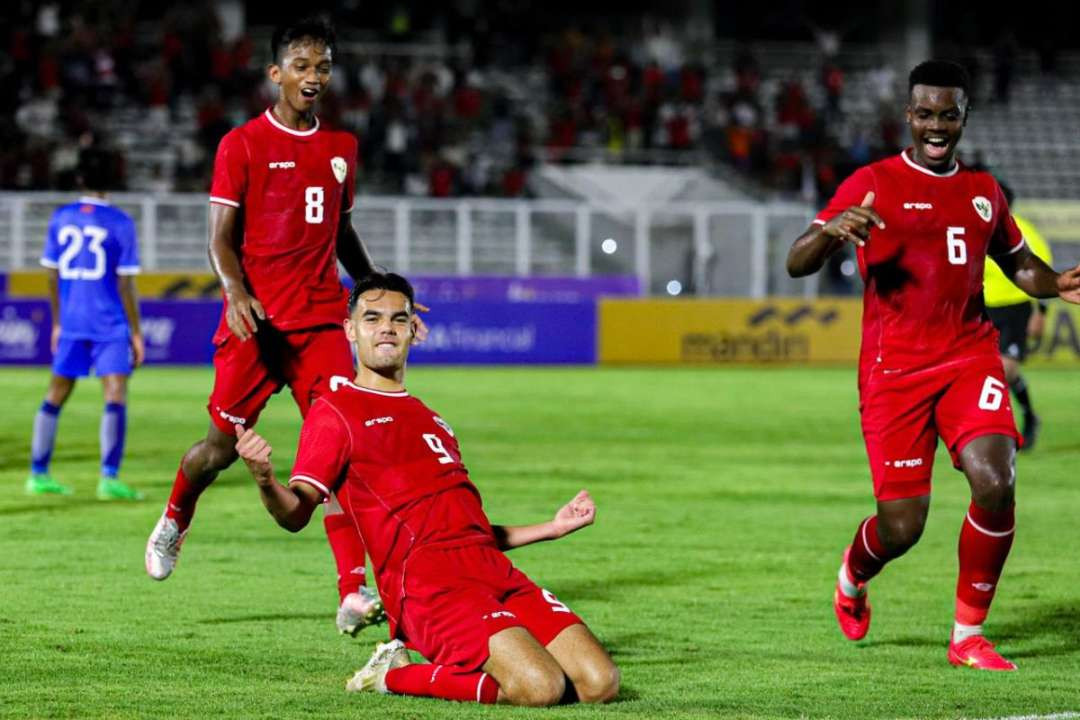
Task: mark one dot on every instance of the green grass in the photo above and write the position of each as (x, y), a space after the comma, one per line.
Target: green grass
(725, 499)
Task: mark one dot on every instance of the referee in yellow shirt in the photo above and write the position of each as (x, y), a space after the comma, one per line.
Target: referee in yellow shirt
(1010, 309)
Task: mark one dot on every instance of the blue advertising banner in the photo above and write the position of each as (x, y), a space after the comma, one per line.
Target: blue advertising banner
(505, 333)
(176, 332)
(179, 332)
(24, 332)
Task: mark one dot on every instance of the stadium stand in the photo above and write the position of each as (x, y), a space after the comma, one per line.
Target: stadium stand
(782, 120)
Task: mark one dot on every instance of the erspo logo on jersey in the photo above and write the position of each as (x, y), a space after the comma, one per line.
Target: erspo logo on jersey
(282, 165)
(235, 420)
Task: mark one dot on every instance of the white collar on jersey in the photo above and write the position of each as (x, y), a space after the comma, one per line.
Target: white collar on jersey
(337, 381)
(299, 133)
(955, 168)
(87, 200)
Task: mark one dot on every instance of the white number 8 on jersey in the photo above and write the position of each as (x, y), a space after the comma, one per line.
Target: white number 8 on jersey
(313, 204)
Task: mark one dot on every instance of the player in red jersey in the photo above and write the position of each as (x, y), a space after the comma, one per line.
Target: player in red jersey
(490, 633)
(923, 225)
(280, 206)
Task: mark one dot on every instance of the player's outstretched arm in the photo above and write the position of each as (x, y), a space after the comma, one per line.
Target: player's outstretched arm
(572, 516)
(811, 249)
(242, 310)
(1032, 275)
(290, 506)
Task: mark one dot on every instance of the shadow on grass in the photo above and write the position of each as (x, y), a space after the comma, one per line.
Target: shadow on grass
(626, 694)
(1042, 630)
(58, 504)
(262, 618)
(914, 641)
(613, 584)
(1047, 630)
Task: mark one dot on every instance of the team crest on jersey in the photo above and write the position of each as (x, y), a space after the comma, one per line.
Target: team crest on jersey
(337, 164)
(983, 207)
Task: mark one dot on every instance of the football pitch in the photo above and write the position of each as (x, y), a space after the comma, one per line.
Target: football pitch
(725, 500)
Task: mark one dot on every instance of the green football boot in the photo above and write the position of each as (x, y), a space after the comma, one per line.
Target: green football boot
(43, 484)
(113, 489)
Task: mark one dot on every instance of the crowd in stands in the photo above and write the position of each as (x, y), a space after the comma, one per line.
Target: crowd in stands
(438, 126)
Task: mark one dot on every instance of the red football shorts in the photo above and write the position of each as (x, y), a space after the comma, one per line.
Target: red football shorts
(456, 598)
(904, 414)
(247, 373)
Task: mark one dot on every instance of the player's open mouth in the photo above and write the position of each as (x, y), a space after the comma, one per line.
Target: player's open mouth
(936, 148)
(311, 93)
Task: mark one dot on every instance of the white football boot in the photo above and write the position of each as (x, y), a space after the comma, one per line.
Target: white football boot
(359, 610)
(372, 677)
(163, 548)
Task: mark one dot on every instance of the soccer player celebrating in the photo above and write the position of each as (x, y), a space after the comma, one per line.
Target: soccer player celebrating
(1010, 310)
(92, 258)
(280, 207)
(450, 591)
(922, 225)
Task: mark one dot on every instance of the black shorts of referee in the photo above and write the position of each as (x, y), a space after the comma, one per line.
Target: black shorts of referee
(1011, 322)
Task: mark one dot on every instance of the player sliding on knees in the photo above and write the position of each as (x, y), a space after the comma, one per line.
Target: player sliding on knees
(280, 206)
(922, 226)
(449, 590)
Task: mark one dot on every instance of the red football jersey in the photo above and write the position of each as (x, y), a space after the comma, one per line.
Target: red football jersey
(396, 468)
(923, 303)
(291, 187)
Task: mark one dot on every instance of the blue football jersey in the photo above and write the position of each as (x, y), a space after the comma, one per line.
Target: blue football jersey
(89, 244)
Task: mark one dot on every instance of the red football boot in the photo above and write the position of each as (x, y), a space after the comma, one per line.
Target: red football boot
(853, 614)
(979, 653)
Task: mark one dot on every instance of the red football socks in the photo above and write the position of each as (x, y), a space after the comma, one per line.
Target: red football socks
(441, 681)
(181, 505)
(985, 540)
(867, 555)
(348, 549)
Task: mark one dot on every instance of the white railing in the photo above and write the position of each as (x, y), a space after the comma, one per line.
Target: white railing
(730, 249)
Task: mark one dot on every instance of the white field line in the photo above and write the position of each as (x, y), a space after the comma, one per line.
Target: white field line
(1067, 715)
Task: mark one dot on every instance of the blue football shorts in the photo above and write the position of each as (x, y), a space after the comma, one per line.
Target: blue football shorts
(74, 358)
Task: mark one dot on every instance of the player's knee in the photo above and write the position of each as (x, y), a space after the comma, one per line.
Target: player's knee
(534, 686)
(993, 486)
(219, 458)
(899, 534)
(209, 457)
(59, 390)
(599, 682)
(116, 393)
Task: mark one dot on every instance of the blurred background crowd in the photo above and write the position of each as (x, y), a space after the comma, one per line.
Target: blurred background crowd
(468, 98)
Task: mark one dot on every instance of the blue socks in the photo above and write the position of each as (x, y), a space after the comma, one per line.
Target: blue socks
(41, 446)
(113, 429)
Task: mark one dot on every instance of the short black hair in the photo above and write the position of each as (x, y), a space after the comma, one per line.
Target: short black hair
(391, 282)
(940, 73)
(315, 27)
(97, 169)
